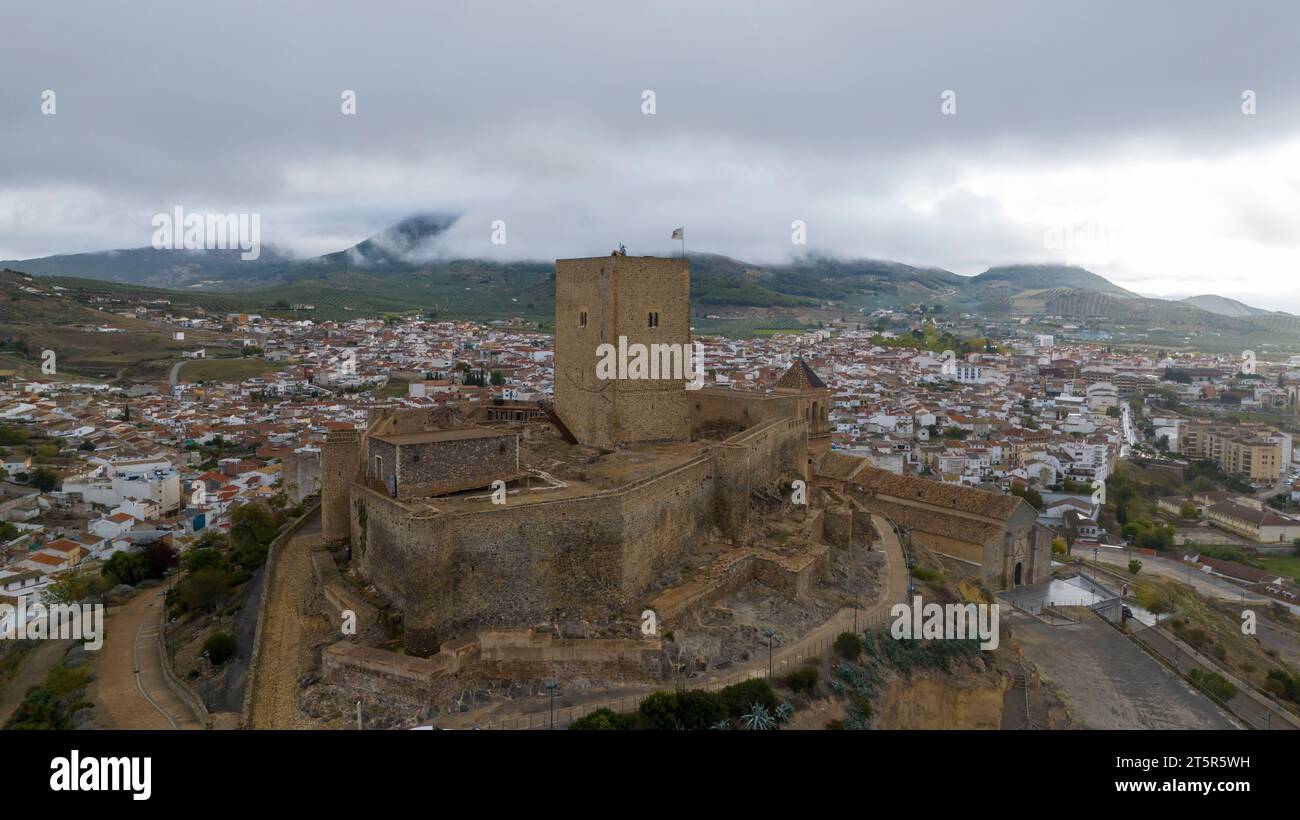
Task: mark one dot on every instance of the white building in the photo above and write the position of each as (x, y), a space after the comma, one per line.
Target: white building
(142, 479)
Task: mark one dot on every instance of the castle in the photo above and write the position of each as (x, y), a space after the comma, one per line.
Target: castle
(508, 516)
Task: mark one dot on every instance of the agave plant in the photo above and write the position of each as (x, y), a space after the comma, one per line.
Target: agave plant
(784, 712)
(757, 718)
(722, 725)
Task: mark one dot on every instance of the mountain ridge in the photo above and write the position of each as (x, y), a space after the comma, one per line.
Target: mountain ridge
(408, 258)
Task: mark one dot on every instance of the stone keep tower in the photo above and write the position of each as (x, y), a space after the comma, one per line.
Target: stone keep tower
(644, 300)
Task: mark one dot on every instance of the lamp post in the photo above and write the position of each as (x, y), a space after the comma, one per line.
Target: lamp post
(551, 686)
(769, 633)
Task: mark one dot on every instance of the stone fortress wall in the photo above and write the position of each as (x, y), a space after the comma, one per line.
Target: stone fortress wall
(583, 558)
(486, 587)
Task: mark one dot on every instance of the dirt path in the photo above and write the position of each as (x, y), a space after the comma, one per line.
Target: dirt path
(129, 691)
(284, 638)
(40, 660)
(534, 712)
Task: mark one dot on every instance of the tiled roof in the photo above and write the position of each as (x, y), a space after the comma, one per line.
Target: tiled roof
(800, 377)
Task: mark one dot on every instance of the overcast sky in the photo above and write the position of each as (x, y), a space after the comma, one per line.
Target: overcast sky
(1104, 134)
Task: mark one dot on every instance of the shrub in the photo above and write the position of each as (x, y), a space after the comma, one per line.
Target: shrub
(1196, 636)
(202, 558)
(1214, 683)
(737, 698)
(802, 680)
(863, 705)
(203, 589)
(219, 647)
(602, 720)
(927, 574)
(691, 709)
(1153, 600)
(848, 646)
(52, 704)
(1134, 566)
(1282, 684)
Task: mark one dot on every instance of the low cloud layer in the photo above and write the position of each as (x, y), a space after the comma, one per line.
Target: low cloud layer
(1108, 136)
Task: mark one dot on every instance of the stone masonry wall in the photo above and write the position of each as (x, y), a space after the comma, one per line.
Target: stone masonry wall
(443, 466)
(584, 558)
(617, 294)
(715, 406)
(339, 466)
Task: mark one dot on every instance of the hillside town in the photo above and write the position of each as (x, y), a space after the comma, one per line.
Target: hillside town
(92, 470)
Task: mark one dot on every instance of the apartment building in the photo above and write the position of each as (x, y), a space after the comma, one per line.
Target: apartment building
(1245, 450)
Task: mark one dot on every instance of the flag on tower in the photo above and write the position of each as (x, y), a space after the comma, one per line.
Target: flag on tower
(679, 233)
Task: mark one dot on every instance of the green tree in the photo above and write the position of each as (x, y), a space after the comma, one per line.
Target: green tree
(251, 527)
(76, 586)
(203, 590)
(11, 436)
(202, 558)
(219, 647)
(848, 646)
(126, 568)
(1034, 497)
(43, 479)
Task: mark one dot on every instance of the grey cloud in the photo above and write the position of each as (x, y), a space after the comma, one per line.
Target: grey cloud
(530, 113)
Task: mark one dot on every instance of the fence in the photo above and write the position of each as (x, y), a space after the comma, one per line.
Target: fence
(1248, 705)
(180, 687)
(782, 662)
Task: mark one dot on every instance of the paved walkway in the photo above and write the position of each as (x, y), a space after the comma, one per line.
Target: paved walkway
(1107, 682)
(129, 691)
(534, 712)
(274, 699)
(1246, 704)
(1207, 585)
